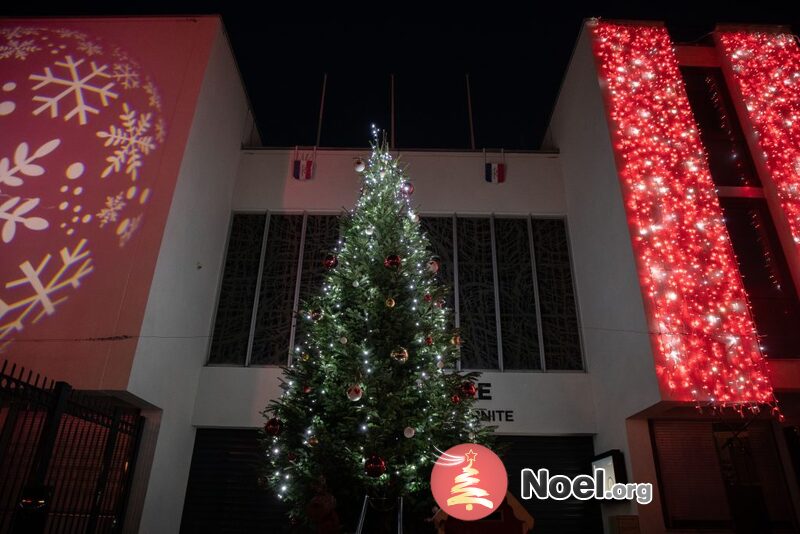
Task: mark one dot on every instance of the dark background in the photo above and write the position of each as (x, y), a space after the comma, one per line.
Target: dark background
(516, 58)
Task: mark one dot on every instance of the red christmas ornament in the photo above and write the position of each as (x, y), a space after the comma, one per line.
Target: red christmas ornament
(375, 466)
(273, 426)
(408, 188)
(455, 399)
(315, 315)
(306, 389)
(428, 297)
(439, 303)
(330, 261)
(354, 392)
(291, 456)
(428, 340)
(468, 389)
(392, 261)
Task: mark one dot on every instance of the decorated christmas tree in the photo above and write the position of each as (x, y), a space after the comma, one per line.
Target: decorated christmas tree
(373, 390)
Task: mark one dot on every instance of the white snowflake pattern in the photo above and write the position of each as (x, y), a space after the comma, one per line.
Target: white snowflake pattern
(75, 84)
(24, 163)
(132, 140)
(161, 130)
(155, 95)
(123, 57)
(125, 75)
(89, 48)
(18, 32)
(74, 34)
(110, 213)
(18, 49)
(13, 212)
(127, 228)
(75, 265)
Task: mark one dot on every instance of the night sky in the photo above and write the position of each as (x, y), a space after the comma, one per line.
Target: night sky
(516, 59)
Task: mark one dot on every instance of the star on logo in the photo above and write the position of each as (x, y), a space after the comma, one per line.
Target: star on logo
(470, 456)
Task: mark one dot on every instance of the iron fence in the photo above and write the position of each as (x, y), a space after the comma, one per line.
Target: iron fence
(66, 457)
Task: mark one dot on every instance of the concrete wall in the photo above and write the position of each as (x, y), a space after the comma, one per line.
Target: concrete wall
(616, 338)
(444, 182)
(174, 336)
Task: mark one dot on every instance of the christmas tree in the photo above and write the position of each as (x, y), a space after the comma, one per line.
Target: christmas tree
(373, 389)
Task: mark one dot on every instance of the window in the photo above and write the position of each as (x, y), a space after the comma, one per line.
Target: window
(511, 278)
(737, 482)
(762, 263)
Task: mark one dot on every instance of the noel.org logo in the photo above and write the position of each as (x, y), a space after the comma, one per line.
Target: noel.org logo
(469, 481)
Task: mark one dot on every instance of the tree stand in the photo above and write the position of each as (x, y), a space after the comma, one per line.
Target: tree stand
(382, 523)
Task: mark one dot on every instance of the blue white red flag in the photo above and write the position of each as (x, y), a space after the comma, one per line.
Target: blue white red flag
(495, 172)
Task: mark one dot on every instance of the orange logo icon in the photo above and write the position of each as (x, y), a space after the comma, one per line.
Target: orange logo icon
(469, 481)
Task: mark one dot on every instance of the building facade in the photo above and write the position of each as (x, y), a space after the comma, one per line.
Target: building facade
(619, 289)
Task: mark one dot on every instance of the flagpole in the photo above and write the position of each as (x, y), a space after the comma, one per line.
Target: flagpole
(391, 140)
(321, 108)
(469, 108)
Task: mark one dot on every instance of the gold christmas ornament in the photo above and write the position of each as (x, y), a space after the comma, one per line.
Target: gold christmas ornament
(456, 340)
(400, 354)
(305, 356)
(390, 302)
(313, 441)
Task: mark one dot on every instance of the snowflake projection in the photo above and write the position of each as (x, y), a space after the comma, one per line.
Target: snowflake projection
(44, 290)
(12, 211)
(123, 57)
(74, 84)
(18, 32)
(110, 213)
(57, 190)
(24, 163)
(125, 75)
(17, 49)
(155, 95)
(131, 140)
(74, 34)
(89, 48)
(127, 228)
(161, 130)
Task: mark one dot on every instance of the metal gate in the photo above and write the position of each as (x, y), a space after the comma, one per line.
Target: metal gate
(66, 457)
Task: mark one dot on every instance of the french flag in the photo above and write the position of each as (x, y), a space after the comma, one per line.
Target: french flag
(495, 172)
(303, 169)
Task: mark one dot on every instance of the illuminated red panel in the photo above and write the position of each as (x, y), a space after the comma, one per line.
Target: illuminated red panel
(766, 70)
(705, 343)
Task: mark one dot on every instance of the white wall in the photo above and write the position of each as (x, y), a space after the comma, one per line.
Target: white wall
(175, 330)
(542, 403)
(444, 182)
(615, 333)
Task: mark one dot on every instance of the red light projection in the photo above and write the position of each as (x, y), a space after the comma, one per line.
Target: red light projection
(766, 70)
(705, 342)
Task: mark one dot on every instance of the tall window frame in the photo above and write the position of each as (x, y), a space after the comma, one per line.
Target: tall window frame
(578, 362)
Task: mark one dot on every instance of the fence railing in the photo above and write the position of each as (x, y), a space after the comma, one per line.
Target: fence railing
(66, 457)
